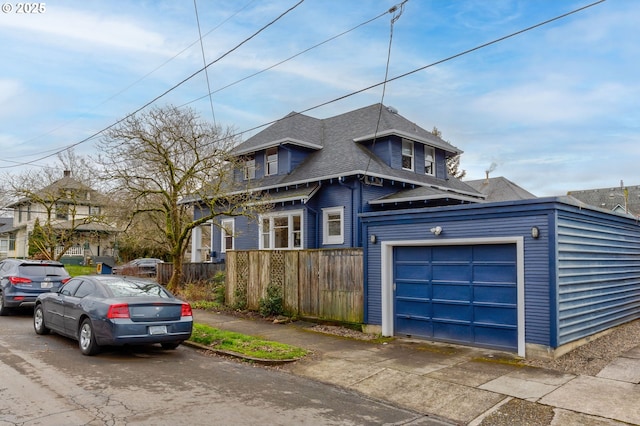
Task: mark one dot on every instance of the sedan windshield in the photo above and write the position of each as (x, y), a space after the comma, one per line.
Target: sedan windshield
(133, 288)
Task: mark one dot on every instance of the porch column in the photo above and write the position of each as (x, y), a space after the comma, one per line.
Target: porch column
(196, 245)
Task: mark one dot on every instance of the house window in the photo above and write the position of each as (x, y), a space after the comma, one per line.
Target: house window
(94, 210)
(429, 160)
(227, 227)
(62, 212)
(281, 231)
(407, 155)
(271, 166)
(250, 168)
(333, 225)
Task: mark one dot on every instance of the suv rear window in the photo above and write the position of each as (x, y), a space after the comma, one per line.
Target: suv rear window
(42, 270)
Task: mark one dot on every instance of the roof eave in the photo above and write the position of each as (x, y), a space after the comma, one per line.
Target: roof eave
(436, 144)
(278, 142)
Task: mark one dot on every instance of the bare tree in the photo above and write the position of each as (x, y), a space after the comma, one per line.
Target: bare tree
(453, 163)
(159, 160)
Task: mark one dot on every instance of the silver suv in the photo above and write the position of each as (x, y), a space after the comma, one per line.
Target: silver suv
(21, 281)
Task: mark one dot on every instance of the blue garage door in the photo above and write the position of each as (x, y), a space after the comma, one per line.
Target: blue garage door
(460, 294)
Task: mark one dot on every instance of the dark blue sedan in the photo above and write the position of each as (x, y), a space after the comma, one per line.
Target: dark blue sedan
(105, 310)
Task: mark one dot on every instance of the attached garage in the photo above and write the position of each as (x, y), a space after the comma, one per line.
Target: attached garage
(536, 277)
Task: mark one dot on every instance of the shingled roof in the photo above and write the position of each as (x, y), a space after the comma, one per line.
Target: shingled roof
(621, 199)
(500, 189)
(337, 151)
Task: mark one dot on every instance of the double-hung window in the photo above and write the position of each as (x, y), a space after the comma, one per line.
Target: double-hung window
(280, 231)
(429, 160)
(333, 225)
(250, 167)
(227, 228)
(407, 155)
(271, 161)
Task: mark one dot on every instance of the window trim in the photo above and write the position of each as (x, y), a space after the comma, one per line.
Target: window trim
(411, 156)
(291, 233)
(271, 162)
(332, 239)
(249, 170)
(224, 235)
(433, 160)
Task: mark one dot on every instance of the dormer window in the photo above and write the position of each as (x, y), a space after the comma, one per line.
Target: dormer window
(250, 167)
(407, 155)
(271, 160)
(429, 160)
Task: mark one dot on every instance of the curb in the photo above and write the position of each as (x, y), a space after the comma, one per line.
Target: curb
(262, 361)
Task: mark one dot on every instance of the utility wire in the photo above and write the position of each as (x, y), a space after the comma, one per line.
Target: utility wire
(457, 55)
(204, 61)
(96, 134)
(343, 96)
(394, 19)
(121, 91)
(290, 57)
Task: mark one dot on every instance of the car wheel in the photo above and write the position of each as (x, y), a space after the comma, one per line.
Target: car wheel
(3, 308)
(38, 321)
(170, 345)
(86, 339)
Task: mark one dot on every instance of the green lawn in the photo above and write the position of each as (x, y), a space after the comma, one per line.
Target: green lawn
(75, 270)
(242, 344)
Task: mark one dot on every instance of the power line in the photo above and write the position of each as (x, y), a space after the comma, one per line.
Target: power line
(121, 91)
(394, 19)
(290, 57)
(373, 86)
(465, 52)
(204, 61)
(96, 134)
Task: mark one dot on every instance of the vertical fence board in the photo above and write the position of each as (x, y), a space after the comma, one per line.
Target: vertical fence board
(253, 282)
(291, 283)
(231, 279)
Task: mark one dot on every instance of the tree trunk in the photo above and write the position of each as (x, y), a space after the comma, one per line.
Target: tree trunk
(176, 276)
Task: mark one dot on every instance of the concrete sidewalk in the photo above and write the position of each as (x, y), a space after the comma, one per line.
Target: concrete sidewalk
(458, 384)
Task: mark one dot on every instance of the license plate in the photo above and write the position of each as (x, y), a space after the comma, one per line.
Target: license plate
(157, 329)
(46, 284)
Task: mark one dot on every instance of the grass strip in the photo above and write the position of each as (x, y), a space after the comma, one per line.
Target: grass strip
(242, 344)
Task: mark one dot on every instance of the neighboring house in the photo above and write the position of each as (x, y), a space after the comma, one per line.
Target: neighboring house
(320, 174)
(7, 236)
(73, 203)
(499, 189)
(621, 199)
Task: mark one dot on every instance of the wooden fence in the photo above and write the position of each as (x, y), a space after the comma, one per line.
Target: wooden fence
(325, 284)
(191, 272)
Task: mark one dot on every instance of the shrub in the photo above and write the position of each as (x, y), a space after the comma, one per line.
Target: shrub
(273, 303)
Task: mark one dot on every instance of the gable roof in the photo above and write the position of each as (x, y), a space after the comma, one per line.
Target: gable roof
(500, 189)
(339, 153)
(65, 183)
(621, 199)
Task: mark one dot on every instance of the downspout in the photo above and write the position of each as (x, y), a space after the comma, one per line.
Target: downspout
(317, 232)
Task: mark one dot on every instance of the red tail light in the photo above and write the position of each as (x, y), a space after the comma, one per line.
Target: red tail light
(19, 280)
(120, 310)
(65, 280)
(186, 310)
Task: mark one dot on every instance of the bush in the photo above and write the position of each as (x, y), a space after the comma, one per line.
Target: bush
(273, 303)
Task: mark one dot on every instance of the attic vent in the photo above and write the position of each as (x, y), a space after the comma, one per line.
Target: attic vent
(392, 110)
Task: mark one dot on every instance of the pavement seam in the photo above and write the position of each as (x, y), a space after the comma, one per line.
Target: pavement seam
(478, 420)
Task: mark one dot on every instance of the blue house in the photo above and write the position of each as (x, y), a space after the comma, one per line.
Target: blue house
(319, 175)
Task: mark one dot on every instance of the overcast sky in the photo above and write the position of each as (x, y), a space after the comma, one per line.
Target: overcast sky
(553, 109)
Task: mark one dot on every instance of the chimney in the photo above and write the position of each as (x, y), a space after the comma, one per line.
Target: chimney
(67, 173)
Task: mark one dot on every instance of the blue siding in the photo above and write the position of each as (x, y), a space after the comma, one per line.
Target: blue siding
(470, 221)
(598, 274)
